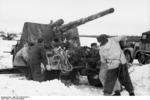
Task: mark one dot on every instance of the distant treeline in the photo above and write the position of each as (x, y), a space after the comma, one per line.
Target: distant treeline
(133, 38)
(7, 35)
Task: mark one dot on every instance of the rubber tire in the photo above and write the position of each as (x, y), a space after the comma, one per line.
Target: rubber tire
(94, 82)
(128, 57)
(148, 61)
(141, 59)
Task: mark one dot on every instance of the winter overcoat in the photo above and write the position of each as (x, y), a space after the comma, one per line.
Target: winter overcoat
(37, 56)
(111, 53)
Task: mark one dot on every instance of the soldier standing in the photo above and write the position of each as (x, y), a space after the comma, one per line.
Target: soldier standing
(37, 57)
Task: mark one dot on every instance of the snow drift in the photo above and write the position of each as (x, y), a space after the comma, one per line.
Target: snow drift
(14, 85)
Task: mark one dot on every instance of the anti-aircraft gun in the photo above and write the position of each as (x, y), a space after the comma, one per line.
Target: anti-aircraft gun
(55, 31)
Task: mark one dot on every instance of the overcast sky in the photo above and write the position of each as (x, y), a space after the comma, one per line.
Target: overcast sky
(130, 16)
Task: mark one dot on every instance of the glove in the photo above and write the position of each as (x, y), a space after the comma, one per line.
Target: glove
(42, 67)
(48, 67)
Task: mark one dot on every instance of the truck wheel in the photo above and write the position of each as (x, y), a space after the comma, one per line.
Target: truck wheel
(128, 57)
(94, 81)
(141, 59)
(147, 61)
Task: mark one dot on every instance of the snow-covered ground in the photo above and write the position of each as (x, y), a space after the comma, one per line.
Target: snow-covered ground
(14, 85)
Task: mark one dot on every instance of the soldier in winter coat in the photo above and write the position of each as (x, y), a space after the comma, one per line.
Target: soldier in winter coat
(112, 55)
(37, 58)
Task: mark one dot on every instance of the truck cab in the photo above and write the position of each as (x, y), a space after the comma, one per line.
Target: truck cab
(143, 54)
(145, 41)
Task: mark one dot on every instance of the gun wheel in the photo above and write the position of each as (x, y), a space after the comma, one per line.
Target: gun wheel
(141, 59)
(128, 57)
(94, 82)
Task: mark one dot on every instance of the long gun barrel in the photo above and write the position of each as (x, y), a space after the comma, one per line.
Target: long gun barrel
(89, 36)
(81, 21)
(93, 36)
(129, 38)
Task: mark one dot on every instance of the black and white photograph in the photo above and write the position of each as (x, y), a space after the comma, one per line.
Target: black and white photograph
(74, 48)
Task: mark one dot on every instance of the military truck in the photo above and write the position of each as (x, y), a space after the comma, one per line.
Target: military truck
(139, 48)
(143, 52)
(130, 47)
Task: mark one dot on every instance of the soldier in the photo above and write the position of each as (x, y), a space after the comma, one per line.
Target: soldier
(21, 59)
(112, 55)
(94, 46)
(37, 58)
